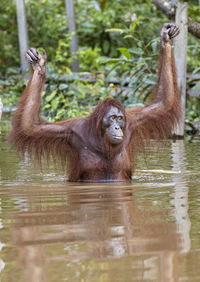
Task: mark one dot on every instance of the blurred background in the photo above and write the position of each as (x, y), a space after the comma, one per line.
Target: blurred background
(115, 52)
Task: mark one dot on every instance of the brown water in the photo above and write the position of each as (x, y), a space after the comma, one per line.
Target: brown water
(149, 230)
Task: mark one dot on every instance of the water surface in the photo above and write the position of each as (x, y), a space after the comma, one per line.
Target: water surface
(149, 230)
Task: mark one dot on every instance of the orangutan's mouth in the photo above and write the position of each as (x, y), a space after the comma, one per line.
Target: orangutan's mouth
(118, 137)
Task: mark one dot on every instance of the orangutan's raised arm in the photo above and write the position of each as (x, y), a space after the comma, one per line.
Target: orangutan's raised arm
(30, 132)
(28, 112)
(160, 116)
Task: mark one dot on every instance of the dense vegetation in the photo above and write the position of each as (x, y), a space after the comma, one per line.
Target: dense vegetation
(118, 48)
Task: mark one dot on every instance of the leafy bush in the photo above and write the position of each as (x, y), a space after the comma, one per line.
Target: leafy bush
(72, 95)
(9, 52)
(11, 88)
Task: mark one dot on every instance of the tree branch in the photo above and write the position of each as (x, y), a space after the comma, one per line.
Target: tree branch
(167, 8)
(194, 27)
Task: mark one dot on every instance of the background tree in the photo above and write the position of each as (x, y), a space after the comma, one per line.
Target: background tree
(72, 32)
(22, 33)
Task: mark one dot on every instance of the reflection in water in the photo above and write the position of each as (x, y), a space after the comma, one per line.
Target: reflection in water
(180, 195)
(102, 223)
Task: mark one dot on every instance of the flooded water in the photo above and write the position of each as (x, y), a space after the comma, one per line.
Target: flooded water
(149, 230)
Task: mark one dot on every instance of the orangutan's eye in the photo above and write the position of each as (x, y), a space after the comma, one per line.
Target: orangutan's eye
(112, 118)
(120, 118)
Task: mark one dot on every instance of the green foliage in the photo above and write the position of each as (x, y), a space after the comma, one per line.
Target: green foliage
(46, 24)
(135, 68)
(62, 59)
(9, 52)
(193, 108)
(11, 88)
(90, 59)
(47, 27)
(193, 10)
(72, 95)
(116, 16)
(193, 53)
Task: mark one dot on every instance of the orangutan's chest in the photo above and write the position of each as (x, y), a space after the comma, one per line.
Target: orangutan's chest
(92, 161)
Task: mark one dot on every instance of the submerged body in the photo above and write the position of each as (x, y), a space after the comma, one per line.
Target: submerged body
(100, 147)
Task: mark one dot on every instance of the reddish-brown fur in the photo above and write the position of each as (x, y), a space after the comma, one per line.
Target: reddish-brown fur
(81, 140)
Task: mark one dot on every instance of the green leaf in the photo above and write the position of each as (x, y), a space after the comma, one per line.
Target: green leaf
(125, 53)
(137, 51)
(55, 103)
(63, 86)
(47, 106)
(135, 23)
(128, 36)
(114, 30)
(51, 96)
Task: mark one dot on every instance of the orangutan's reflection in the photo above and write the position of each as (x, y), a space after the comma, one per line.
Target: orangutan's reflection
(112, 223)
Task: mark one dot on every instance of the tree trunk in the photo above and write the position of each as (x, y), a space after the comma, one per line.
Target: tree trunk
(72, 32)
(22, 33)
(180, 52)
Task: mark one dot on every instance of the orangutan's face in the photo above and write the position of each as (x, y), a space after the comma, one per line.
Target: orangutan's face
(113, 124)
